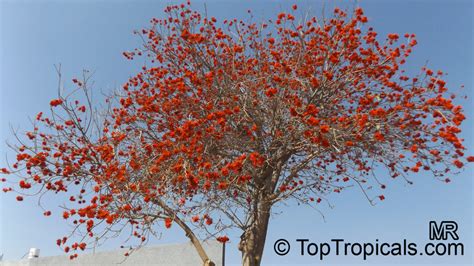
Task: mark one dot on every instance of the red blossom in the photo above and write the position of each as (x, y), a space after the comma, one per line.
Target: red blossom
(24, 184)
(56, 102)
(324, 129)
(458, 163)
(393, 36)
(223, 239)
(168, 222)
(270, 92)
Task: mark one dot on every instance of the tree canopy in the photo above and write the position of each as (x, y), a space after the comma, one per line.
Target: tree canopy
(229, 118)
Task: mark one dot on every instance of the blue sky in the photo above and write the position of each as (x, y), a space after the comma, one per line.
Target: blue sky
(93, 34)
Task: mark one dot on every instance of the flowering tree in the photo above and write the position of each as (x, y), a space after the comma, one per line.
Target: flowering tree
(232, 118)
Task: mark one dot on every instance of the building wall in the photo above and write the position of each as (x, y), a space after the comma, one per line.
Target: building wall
(176, 254)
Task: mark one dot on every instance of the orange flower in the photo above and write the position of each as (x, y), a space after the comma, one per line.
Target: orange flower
(56, 102)
(24, 185)
(208, 220)
(82, 246)
(110, 219)
(324, 129)
(256, 159)
(458, 163)
(270, 92)
(313, 121)
(379, 136)
(168, 222)
(223, 239)
(127, 207)
(393, 36)
(222, 185)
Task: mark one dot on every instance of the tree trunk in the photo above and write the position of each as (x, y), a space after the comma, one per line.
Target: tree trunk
(252, 240)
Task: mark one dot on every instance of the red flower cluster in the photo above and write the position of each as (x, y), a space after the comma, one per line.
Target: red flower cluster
(56, 102)
(168, 222)
(223, 239)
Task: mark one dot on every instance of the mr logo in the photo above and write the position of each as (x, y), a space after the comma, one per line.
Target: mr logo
(444, 229)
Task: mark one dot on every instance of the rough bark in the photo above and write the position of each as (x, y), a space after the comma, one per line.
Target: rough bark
(253, 239)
